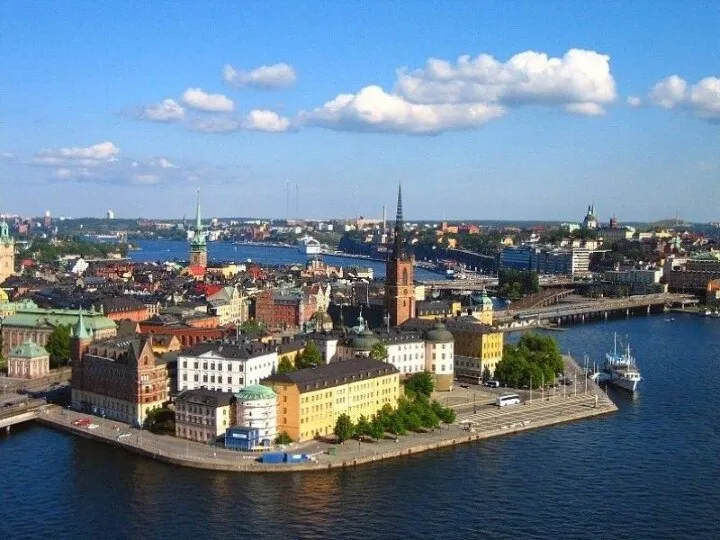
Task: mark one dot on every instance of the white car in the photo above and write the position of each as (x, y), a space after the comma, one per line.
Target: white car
(93, 426)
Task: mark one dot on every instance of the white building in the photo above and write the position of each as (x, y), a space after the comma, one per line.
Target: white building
(226, 366)
(409, 351)
(256, 407)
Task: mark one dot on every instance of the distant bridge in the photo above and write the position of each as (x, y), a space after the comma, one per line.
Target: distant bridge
(21, 412)
(580, 311)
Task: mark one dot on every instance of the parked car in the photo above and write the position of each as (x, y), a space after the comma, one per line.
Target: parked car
(492, 384)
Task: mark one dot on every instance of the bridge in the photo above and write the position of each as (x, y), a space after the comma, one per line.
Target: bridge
(18, 413)
(601, 308)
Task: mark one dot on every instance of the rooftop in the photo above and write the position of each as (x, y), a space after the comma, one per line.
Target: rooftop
(202, 396)
(335, 374)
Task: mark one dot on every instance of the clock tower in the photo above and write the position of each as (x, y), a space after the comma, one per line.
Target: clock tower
(399, 280)
(7, 252)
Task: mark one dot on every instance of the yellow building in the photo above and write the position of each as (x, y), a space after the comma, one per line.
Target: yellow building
(478, 349)
(311, 400)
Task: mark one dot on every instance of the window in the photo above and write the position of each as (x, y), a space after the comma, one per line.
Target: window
(185, 363)
(196, 365)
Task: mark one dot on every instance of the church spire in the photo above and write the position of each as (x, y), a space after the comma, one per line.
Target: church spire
(198, 221)
(399, 226)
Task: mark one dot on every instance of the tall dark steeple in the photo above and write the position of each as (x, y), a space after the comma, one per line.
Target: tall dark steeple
(399, 225)
(399, 275)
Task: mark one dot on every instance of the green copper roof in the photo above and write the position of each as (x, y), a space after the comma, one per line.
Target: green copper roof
(80, 330)
(255, 391)
(364, 341)
(29, 349)
(30, 317)
(439, 334)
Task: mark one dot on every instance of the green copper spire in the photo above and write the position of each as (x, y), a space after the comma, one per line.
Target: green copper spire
(198, 221)
(81, 331)
(199, 236)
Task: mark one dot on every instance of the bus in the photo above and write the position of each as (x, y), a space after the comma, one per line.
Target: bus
(510, 399)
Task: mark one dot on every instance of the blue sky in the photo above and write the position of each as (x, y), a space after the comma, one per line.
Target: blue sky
(483, 110)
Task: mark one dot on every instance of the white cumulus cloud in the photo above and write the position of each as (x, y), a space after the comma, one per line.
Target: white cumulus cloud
(87, 156)
(634, 101)
(196, 98)
(669, 92)
(168, 110)
(702, 98)
(162, 162)
(373, 109)
(279, 75)
(268, 121)
(580, 78)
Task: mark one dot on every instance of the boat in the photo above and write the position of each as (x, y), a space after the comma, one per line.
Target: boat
(620, 369)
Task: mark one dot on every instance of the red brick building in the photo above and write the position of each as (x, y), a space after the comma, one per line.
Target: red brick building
(284, 310)
(188, 335)
(125, 308)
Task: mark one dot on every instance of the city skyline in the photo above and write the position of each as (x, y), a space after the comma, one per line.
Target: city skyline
(491, 111)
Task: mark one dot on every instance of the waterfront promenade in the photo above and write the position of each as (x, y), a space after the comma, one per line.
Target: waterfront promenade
(474, 422)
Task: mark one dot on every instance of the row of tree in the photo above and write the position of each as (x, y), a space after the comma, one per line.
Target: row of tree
(533, 360)
(411, 415)
(515, 284)
(415, 412)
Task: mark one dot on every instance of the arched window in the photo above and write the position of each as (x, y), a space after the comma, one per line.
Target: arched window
(404, 276)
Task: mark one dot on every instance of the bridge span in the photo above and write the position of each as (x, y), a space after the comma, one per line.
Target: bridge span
(23, 411)
(599, 308)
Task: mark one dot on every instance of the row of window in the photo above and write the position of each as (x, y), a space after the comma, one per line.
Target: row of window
(212, 366)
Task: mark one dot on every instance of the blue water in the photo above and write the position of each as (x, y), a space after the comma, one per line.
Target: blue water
(167, 250)
(650, 471)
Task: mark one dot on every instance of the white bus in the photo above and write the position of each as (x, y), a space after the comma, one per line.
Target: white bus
(510, 399)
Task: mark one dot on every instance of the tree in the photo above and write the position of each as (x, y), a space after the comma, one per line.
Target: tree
(378, 352)
(58, 345)
(285, 366)
(421, 384)
(160, 421)
(377, 428)
(362, 428)
(344, 428)
(310, 356)
(283, 438)
(535, 358)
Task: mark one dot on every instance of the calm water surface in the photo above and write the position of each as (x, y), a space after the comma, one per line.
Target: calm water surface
(651, 471)
(167, 250)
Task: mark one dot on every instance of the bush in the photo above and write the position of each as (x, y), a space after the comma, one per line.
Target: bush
(283, 438)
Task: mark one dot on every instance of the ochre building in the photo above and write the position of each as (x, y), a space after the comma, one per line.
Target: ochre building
(311, 400)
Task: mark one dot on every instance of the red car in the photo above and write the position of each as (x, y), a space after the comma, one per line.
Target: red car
(81, 422)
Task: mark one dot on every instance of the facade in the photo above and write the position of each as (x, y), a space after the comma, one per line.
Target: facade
(7, 252)
(282, 309)
(256, 407)
(203, 415)
(408, 351)
(227, 366)
(229, 305)
(311, 400)
(565, 261)
(30, 322)
(399, 278)
(118, 378)
(125, 308)
(198, 244)
(694, 275)
(28, 361)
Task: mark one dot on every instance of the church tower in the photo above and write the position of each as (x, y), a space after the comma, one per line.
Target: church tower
(198, 245)
(399, 280)
(7, 252)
